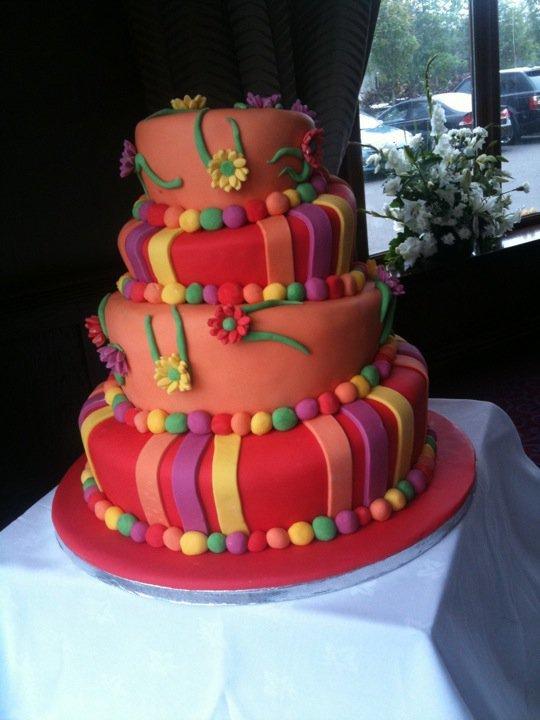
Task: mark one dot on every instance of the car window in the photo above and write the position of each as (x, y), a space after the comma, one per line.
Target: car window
(418, 110)
(398, 113)
(465, 86)
(513, 82)
(534, 77)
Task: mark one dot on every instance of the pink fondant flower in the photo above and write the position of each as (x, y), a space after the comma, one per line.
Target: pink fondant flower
(127, 159)
(312, 147)
(95, 333)
(229, 324)
(114, 358)
(261, 101)
(298, 106)
(391, 280)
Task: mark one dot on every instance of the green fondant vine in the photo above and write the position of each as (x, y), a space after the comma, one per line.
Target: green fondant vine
(298, 177)
(142, 165)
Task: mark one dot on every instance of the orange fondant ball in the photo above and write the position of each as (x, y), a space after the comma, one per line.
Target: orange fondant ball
(100, 508)
(253, 293)
(349, 285)
(172, 216)
(380, 509)
(171, 538)
(278, 538)
(277, 203)
(152, 293)
(346, 392)
(241, 423)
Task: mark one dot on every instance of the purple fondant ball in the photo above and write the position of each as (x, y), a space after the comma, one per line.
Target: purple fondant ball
(316, 289)
(234, 216)
(347, 522)
(121, 409)
(319, 183)
(418, 480)
(199, 422)
(384, 368)
(210, 294)
(138, 531)
(237, 543)
(307, 409)
(128, 287)
(144, 208)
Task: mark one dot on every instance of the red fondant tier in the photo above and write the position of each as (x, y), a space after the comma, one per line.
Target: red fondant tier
(169, 146)
(230, 483)
(311, 240)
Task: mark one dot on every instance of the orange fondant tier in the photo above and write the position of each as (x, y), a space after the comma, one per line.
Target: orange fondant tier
(311, 240)
(169, 145)
(331, 342)
(228, 483)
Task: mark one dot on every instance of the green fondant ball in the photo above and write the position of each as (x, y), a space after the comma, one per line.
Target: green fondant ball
(216, 542)
(120, 379)
(407, 489)
(324, 528)
(371, 374)
(306, 191)
(117, 399)
(430, 440)
(211, 219)
(176, 423)
(194, 293)
(88, 483)
(284, 418)
(296, 291)
(125, 522)
(135, 210)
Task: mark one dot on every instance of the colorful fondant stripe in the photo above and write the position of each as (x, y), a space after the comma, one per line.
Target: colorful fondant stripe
(94, 402)
(147, 478)
(135, 251)
(225, 483)
(278, 249)
(370, 426)
(320, 239)
(91, 421)
(185, 471)
(339, 465)
(159, 253)
(122, 237)
(403, 413)
(407, 361)
(405, 348)
(347, 233)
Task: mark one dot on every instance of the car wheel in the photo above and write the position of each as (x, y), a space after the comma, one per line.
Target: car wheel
(515, 134)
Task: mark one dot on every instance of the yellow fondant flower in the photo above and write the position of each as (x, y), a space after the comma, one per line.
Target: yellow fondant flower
(228, 170)
(189, 103)
(172, 374)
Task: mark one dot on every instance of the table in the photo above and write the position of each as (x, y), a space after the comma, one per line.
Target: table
(451, 635)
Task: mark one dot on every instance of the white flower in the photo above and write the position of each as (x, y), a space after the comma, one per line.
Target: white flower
(524, 188)
(392, 186)
(429, 245)
(415, 215)
(438, 120)
(409, 250)
(448, 239)
(416, 142)
(447, 194)
(396, 161)
(464, 233)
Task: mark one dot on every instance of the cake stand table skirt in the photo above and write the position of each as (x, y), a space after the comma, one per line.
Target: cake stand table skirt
(451, 634)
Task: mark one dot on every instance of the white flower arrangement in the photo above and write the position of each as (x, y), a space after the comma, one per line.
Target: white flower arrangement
(446, 192)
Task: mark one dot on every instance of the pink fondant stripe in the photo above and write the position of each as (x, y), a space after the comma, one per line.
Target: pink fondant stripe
(411, 363)
(185, 471)
(405, 348)
(320, 238)
(372, 430)
(147, 477)
(94, 402)
(135, 251)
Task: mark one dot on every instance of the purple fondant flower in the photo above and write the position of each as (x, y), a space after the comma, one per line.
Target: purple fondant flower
(114, 358)
(298, 106)
(127, 159)
(261, 101)
(392, 281)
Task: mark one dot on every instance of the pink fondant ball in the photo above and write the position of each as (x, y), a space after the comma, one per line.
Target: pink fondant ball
(210, 294)
(234, 216)
(199, 422)
(384, 368)
(316, 289)
(347, 522)
(319, 183)
(237, 543)
(307, 409)
(138, 531)
(418, 480)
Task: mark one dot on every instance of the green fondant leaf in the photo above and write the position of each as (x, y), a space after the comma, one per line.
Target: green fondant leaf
(386, 298)
(101, 314)
(388, 323)
(275, 337)
(236, 136)
(151, 338)
(199, 138)
(300, 177)
(180, 336)
(141, 164)
(282, 152)
(268, 304)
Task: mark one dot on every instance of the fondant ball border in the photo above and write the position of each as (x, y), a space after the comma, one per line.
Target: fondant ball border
(322, 528)
(281, 419)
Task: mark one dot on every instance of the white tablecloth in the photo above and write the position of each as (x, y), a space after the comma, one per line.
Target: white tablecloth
(453, 634)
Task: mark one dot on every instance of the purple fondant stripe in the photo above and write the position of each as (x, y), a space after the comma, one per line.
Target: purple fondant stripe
(185, 470)
(134, 250)
(320, 238)
(405, 348)
(373, 433)
(93, 403)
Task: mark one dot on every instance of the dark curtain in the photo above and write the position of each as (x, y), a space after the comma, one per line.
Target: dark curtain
(309, 49)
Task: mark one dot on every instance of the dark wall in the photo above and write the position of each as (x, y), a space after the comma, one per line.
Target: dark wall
(71, 92)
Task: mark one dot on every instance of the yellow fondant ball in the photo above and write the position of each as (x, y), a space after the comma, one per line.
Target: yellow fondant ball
(111, 394)
(111, 516)
(396, 498)
(156, 421)
(120, 281)
(173, 293)
(294, 197)
(261, 423)
(428, 451)
(193, 542)
(362, 385)
(190, 220)
(86, 474)
(301, 533)
(359, 278)
(275, 291)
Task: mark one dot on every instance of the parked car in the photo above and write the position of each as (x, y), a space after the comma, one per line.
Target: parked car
(520, 93)
(376, 133)
(413, 115)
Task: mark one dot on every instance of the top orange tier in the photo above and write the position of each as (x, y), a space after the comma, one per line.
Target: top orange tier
(181, 153)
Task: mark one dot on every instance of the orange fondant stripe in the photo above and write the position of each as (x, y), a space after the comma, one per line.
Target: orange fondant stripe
(339, 466)
(278, 249)
(406, 361)
(159, 254)
(122, 237)
(347, 221)
(90, 422)
(403, 413)
(147, 477)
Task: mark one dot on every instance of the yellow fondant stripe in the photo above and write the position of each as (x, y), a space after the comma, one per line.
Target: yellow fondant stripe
(403, 412)
(94, 419)
(347, 221)
(339, 465)
(159, 253)
(147, 477)
(278, 249)
(225, 483)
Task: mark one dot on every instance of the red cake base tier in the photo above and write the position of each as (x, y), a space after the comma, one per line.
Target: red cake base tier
(109, 551)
